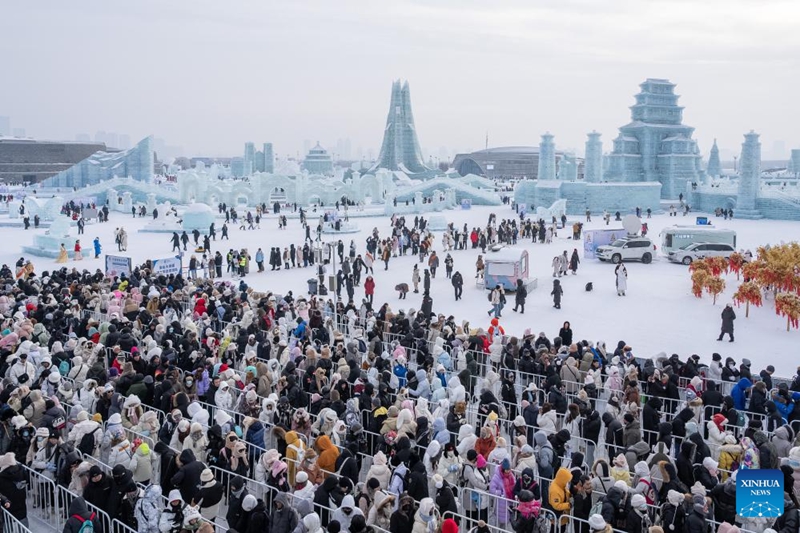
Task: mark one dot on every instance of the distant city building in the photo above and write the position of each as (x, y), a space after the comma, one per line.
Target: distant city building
(28, 160)
(794, 163)
(400, 149)
(318, 160)
(19, 132)
(5, 126)
(656, 146)
(504, 162)
(136, 163)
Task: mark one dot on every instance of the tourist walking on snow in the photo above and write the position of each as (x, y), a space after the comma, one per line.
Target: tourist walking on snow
(622, 279)
(728, 316)
(97, 247)
(415, 279)
(458, 284)
(495, 299)
(77, 256)
(574, 261)
(556, 293)
(520, 296)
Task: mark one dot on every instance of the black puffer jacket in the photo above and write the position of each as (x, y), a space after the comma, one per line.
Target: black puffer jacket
(187, 479)
(12, 486)
(724, 496)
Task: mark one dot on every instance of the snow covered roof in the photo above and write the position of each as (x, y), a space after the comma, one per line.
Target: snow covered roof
(505, 255)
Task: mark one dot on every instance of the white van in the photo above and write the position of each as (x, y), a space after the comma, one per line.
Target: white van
(677, 237)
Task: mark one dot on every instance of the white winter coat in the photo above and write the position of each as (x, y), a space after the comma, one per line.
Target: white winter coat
(82, 428)
(547, 422)
(223, 399)
(622, 280)
(120, 455)
(716, 439)
(85, 398)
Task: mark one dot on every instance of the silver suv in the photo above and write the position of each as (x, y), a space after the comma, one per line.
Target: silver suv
(700, 250)
(627, 249)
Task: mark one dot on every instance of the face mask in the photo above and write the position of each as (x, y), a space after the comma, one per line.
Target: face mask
(189, 382)
(40, 439)
(732, 365)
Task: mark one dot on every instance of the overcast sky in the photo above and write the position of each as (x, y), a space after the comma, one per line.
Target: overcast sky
(210, 75)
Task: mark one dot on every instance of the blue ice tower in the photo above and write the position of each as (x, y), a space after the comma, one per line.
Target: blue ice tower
(593, 171)
(249, 158)
(714, 169)
(749, 176)
(656, 145)
(547, 158)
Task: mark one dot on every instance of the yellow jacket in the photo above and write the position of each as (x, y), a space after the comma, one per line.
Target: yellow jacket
(558, 495)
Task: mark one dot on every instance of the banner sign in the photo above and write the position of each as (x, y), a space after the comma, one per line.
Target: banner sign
(116, 265)
(759, 493)
(599, 237)
(167, 266)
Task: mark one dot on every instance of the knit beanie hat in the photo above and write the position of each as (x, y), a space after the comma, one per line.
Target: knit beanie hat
(249, 503)
(597, 523)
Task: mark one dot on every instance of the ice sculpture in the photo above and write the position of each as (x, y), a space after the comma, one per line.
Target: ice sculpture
(547, 158)
(46, 208)
(568, 168)
(400, 149)
(713, 169)
(48, 243)
(198, 217)
(749, 176)
(437, 223)
(558, 209)
(136, 163)
(593, 172)
(656, 145)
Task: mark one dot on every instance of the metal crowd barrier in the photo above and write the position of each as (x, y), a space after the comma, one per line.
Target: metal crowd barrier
(10, 524)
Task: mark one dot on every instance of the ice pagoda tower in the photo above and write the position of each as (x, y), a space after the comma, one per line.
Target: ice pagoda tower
(593, 171)
(749, 176)
(713, 169)
(547, 158)
(400, 149)
(656, 146)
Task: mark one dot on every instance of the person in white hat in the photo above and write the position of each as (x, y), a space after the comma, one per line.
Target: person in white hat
(209, 495)
(598, 525)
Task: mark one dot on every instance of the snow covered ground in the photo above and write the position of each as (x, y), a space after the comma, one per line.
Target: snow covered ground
(659, 314)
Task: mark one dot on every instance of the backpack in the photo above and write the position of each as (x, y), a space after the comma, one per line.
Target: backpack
(589, 287)
(741, 421)
(541, 524)
(301, 452)
(489, 297)
(87, 444)
(87, 526)
(650, 495)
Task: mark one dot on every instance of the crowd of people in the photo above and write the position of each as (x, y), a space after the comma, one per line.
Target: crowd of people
(187, 404)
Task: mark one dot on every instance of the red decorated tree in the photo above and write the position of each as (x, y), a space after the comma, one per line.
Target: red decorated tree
(736, 263)
(699, 278)
(788, 305)
(748, 293)
(714, 285)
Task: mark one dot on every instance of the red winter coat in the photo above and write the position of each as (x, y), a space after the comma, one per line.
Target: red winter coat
(369, 286)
